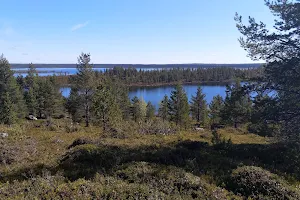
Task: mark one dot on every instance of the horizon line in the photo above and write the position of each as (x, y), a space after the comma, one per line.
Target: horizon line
(139, 63)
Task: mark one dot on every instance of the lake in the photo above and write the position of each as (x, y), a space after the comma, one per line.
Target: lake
(156, 94)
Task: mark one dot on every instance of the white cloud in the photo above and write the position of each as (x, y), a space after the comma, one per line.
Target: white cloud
(79, 26)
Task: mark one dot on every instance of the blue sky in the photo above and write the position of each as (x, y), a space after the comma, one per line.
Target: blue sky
(125, 31)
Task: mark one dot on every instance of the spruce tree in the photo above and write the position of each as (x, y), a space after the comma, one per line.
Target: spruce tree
(179, 107)
(199, 107)
(216, 107)
(150, 114)
(163, 110)
(84, 81)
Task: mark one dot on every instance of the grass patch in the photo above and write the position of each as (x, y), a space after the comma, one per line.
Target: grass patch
(183, 165)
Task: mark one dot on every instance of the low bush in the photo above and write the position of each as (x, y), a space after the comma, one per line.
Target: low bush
(257, 183)
(8, 153)
(263, 129)
(57, 187)
(172, 181)
(79, 141)
(156, 127)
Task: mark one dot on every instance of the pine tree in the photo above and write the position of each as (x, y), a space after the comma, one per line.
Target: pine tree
(49, 99)
(216, 107)
(199, 107)
(84, 81)
(179, 107)
(237, 105)
(32, 76)
(150, 114)
(73, 105)
(7, 112)
(280, 50)
(105, 108)
(138, 109)
(10, 94)
(135, 109)
(32, 87)
(142, 109)
(163, 110)
(120, 91)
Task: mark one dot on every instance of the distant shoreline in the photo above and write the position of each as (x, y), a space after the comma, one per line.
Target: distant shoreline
(139, 85)
(192, 65)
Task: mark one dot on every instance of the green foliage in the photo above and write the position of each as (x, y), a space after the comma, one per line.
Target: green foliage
(216, 139)
(32, 87)
(257, 183)
(11, 99)
(280, 49)
(237, 106)
(156, 127)
(150, 113)
(133, 77)
(199, 107)
(163, 110)
(49, 99)
(216, 107)
(138, 109)
(84, 81)
(73, 105)
(105, 108)
(262, 113)
(7, 112)
(179, 107)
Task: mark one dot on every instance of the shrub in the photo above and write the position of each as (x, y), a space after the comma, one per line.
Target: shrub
(79, 141)
(88, 159)
(216, 139)
(8, 154)
(71, 128)
(263, 129)
(157, 127)
(257, 183)
(172, 181)
(57, 187)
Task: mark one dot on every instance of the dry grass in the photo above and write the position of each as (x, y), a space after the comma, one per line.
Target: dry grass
(36, 148)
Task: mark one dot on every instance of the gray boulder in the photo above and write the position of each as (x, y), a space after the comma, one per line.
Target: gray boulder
(3, 135)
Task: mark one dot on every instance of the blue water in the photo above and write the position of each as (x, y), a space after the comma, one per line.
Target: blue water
(156, 94)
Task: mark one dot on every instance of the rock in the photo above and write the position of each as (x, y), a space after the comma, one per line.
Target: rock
(32, 117)
(58, 141)
(199, 129)
(3, 135)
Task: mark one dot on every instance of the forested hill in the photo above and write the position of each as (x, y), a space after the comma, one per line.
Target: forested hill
(193, 65)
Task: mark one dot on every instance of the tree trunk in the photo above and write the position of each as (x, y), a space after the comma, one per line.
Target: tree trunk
(87, 115)
(235, 125)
